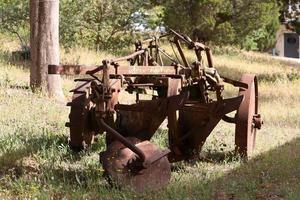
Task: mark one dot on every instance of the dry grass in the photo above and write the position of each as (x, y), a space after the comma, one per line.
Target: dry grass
(35, 161)
(84, 56)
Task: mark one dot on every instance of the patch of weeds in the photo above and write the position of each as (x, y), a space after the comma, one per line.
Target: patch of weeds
(225, 51)
(5, 81)
(5, 56)
(222, 157)
(293, 76)
(160, 138)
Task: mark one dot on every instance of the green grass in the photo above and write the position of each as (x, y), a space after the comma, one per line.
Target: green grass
(35, 161)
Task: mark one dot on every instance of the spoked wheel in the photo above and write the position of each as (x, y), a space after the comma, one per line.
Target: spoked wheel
(123, 169)
(247, 118)
(80, 128)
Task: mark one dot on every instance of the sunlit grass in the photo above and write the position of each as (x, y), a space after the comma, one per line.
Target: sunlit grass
(83, 56)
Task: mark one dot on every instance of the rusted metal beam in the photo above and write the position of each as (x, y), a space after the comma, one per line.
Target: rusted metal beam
(234, 82)
(209, 57)
(185, 61)
(131, 56)
(123, 70)
(122, 139)
(147, 70)
(73, 69)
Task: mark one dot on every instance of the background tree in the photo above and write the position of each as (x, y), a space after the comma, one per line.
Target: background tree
(111, 24)
(290, 14)
(225, 21)
(14, 17)
(34, 74)
(45, 44)
(104, 25)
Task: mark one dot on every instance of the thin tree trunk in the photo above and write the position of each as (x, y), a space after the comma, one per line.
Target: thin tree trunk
(34, 80)
(48, 47)
(234, 8)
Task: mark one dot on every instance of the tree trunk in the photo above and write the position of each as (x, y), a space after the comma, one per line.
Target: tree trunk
(46, 51)
(234, 7)
(33, 5)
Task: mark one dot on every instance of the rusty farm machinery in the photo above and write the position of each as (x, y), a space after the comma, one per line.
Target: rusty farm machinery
(186, 93)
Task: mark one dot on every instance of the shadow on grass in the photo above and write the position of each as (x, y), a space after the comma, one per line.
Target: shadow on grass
(27, 147)
(206, 157)
(37, 161)
(20, 87)
(272, 175)
(219, 157)
(49, 148)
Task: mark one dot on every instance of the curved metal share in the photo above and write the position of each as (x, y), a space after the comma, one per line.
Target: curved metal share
(123, 169)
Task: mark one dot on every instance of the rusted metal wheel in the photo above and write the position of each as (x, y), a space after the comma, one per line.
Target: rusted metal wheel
(80, 130)
(124, 170)
(247, 118)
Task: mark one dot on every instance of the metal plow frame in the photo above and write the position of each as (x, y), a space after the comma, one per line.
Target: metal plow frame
(181, 93)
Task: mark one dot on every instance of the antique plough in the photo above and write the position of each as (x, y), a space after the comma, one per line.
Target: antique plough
(188, 94)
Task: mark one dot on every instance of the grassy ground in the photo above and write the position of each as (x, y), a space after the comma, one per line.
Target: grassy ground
(35, 161)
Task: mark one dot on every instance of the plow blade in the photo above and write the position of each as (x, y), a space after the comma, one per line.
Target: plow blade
(194, 124)
(124, 169)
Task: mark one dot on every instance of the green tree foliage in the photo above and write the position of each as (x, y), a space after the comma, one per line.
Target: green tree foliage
(225, 21)
(259, 21)
(14, 19)
(113, 24)
(290, 14)
(193, 17)
(99, 24)
(150, 17)
(103, 24)
(71, 21)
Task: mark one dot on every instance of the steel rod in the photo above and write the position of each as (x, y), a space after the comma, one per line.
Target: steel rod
(123, 140)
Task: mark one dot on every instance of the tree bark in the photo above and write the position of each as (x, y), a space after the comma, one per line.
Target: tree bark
(33, 5)
(48, 48)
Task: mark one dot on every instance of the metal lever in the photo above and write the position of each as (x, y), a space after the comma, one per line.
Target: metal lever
(123, 140)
